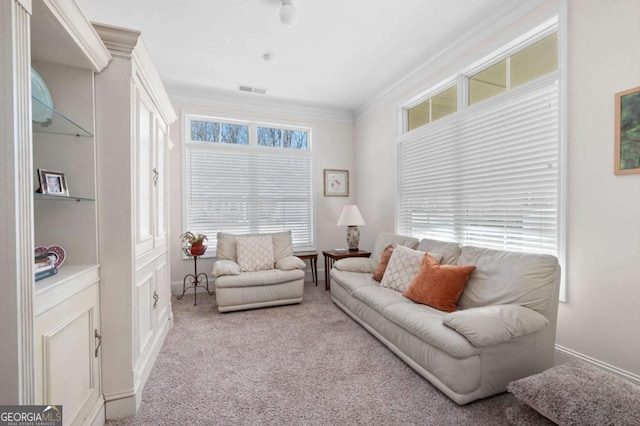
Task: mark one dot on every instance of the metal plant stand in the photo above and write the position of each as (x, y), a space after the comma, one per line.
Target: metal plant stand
(195, 280)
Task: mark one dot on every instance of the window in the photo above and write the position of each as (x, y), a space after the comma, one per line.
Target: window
(438, 106)
(534, 61)
(488, 175)
(246, 177)
(209, 131)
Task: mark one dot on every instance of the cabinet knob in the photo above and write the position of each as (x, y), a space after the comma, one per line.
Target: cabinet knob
(99, 337)
(155, 298)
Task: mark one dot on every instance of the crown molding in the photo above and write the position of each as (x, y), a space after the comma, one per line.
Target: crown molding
(68, 14)
(120, 41)
(255, 103)
(468, 44)
(128, 44)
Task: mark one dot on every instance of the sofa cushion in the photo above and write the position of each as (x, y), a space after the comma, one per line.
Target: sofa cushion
(225, 267)
(402, 267)
(351, 280)
(290, 262)
(386, 239)
(378, 298)
(491, 325)
(449, 251)
(426, 324)
(226, 244)
(255, 253)
(503, 278)
(259, 278)
(382, 265)
(438, 286)
(355, 264)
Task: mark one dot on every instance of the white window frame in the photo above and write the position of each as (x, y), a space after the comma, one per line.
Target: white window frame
(253, 146)
(557, 23)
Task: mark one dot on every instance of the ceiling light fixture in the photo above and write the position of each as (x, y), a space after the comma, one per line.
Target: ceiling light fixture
(287, 12)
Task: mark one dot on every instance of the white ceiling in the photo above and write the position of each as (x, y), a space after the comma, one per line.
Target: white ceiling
(338, 54)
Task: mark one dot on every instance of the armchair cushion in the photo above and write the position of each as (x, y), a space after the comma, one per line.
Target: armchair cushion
(491, 325)
(225, 267)
(290, 263)
(226, 245)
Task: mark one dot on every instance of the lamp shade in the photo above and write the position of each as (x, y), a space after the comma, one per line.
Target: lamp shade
(287, 12)
(350, 216)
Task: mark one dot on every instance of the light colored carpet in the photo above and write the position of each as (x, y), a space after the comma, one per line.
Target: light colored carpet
(306, 364)
(576, 394)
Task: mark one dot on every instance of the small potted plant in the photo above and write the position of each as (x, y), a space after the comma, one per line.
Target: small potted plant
(194, 242)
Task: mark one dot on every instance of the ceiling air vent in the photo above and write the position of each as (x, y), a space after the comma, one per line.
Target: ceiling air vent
(252, 90)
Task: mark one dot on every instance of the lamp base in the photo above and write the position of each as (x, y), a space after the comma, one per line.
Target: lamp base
(353, 237)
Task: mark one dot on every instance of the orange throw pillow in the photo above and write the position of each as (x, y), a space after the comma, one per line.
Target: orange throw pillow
(384, 261)
(438, 286)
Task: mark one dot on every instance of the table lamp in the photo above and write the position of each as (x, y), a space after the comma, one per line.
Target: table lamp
(351, 218)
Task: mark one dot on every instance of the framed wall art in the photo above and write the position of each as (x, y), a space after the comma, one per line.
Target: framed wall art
(627, 132)
(336, 183)
(52, 183)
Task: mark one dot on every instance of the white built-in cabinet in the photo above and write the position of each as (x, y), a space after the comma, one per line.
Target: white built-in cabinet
(66, 307)
(133, 113)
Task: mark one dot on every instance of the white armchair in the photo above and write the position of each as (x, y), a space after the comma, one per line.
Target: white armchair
(257, 270)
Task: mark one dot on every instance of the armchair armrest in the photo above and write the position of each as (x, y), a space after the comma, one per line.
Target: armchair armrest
(356, 264)
(490, 325)
(289, 263)
(225, 267)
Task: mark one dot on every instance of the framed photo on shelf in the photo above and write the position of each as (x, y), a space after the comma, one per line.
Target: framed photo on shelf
(336, 183)
(53, 183)
(627, 132)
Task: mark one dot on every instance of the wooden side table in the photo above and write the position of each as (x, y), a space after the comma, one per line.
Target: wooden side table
(312, 257)
(330, 256)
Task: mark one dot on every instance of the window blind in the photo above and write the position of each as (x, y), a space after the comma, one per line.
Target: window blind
(487, 175)
(244, 191)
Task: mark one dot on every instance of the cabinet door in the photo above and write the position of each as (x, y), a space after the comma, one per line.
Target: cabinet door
(161, 183)
(67, 356)
(145, 313)
(144, 173)
(163, 291)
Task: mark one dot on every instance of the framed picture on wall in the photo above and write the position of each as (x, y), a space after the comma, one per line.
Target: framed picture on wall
(627, 132)
(52, 183)
(336, 183)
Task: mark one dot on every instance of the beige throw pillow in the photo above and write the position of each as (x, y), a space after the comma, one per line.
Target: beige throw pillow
(255, 253)
(402, 267)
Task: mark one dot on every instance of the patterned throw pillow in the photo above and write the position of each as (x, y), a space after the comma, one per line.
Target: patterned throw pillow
(402, 267)
(255, 253)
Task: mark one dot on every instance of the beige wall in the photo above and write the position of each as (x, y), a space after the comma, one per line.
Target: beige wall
(601, 319)
(332, 146)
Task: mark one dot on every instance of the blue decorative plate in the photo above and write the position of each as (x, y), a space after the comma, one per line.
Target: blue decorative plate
(41, 99)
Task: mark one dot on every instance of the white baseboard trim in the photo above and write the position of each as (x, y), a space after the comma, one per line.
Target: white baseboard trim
(563, 355)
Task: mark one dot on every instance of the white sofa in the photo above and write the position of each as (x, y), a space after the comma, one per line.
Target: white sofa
(504, 328)
(280, 283)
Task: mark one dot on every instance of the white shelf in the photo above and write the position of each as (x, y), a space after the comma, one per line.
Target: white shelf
(70, 280)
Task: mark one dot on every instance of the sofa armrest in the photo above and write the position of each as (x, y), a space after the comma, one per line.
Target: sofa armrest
(289, 263)
(490, 325)
(356, 264)
(225, 267)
